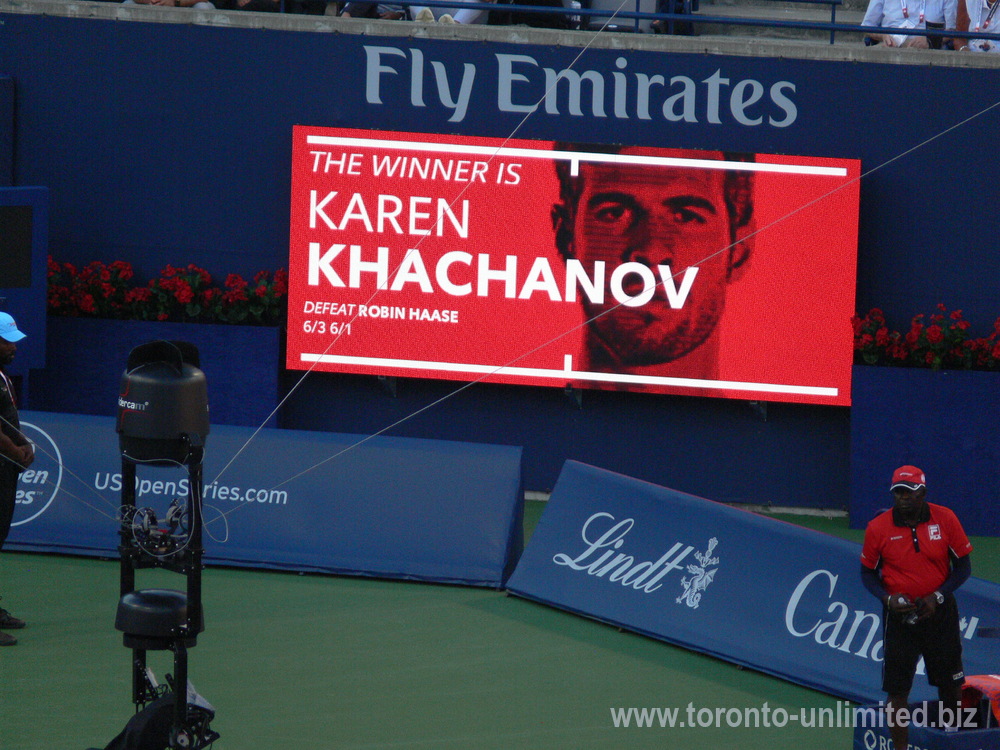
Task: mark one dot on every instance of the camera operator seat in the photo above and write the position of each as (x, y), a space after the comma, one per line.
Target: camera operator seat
(154, 619)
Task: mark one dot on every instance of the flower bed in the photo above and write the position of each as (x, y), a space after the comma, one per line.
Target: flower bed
(938, 341)
(242, 365)
(183, 295)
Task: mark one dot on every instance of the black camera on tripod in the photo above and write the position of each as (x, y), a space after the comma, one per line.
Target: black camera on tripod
(162, 422)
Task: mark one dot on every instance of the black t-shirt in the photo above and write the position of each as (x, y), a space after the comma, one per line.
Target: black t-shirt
(8, 408)
(9, 422)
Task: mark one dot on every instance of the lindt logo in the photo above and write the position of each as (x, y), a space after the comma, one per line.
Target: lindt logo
(604, 538)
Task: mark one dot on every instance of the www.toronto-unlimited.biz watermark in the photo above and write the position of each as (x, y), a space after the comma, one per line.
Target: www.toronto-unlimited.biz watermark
(841, 715)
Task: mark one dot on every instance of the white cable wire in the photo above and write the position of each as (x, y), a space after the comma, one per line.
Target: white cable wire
(419, 242)
(38, 449)
(463, 387)
(483, 377)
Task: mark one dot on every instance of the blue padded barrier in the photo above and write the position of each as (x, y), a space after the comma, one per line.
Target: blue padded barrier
(306, 501)
(755, 591)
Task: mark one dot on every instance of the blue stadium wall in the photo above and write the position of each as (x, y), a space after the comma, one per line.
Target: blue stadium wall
(170, 143)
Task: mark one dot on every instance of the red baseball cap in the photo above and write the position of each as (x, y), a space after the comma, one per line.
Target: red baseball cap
(909, 477)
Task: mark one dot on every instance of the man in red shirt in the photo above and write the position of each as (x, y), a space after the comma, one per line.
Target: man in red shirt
(915, 555)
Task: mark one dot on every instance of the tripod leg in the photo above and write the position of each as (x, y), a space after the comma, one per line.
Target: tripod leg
(180, 737)
(127, 579)
(139, 676)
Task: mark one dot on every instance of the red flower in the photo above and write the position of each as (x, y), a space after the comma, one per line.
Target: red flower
(203, 276)
(934, 334)
(944, 342)
(123, 269)
(182, 292)
(281, 282)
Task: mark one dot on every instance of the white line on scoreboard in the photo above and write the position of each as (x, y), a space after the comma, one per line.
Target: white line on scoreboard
(573, 156)
(602, 377)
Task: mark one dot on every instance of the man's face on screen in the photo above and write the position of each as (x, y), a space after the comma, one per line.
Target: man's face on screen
(656, 216)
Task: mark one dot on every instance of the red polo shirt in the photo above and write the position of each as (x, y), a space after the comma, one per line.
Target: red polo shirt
(904, 569)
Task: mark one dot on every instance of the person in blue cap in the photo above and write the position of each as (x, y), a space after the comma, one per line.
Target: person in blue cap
(16, 453)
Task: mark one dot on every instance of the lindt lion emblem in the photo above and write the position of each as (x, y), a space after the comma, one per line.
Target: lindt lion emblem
(701, 576)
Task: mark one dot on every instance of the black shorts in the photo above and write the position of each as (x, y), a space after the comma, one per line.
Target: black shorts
(938, 639)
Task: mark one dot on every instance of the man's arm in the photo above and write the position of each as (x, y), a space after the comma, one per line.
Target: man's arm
(962, 22)
(961, 569)
(873, 17)
(22, 455)
(873, 582)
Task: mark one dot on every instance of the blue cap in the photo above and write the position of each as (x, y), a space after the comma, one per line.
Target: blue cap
(8, 329)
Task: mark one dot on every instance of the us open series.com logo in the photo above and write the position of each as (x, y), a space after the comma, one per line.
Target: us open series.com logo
(38, 485)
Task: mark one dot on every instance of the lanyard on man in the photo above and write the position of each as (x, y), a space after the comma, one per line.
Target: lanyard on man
(10, 388)
(989, 17)
(906, 9)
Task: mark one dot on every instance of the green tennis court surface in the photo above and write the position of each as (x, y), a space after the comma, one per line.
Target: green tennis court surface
(310, 662)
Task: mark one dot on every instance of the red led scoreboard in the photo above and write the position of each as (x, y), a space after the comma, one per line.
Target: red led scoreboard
(530, 262)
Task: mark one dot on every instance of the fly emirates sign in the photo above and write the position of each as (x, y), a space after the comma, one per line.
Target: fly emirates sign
(527, 262)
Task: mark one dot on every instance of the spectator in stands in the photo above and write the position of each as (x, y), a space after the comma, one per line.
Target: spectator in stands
(914, 557)
(978, 15)
(909, 14)
(260, 6)
(696, 221)
(500, 17)
(424, 14)
(196, 4)
(678, 28)
(384, 11)
(267, 6)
